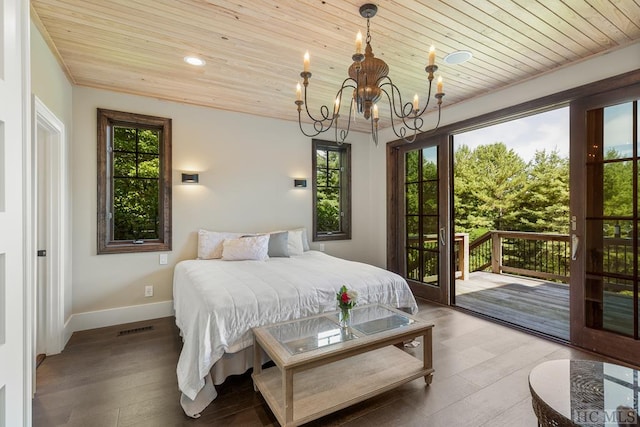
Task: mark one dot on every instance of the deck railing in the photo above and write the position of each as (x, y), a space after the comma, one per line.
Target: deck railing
(540, 255)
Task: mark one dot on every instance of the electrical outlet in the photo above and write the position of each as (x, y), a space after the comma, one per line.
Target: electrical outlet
(163, 259)
(321, 245)
(148, 291)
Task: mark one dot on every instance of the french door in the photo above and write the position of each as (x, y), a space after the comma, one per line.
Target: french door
(605, 177)
(420, 185)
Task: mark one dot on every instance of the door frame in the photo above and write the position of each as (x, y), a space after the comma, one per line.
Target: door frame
(395, 225)
(601, 341)
(44, 121)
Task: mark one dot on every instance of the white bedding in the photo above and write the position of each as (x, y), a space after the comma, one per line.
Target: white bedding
(218, 302)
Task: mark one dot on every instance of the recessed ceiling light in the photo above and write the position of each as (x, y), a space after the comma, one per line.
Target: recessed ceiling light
(194, 60)
(458, 57)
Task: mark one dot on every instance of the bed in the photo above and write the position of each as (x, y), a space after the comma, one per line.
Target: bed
(217, 302)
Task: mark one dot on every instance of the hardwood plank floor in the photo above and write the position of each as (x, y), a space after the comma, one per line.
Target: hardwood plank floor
(102, 379)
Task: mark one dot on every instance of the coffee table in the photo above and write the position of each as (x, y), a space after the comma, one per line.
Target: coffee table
(321, 368)
(584, 393)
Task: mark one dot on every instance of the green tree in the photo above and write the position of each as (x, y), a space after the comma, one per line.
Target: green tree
(489, 181)
(544, 205)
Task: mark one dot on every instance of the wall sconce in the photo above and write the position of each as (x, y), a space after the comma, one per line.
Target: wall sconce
(190, 178)
(300, 183)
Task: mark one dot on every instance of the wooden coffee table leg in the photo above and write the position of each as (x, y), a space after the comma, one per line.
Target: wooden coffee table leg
(427, 355)
(257, 361)
(287, 392)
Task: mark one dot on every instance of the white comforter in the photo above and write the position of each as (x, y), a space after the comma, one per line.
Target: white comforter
(218, 302)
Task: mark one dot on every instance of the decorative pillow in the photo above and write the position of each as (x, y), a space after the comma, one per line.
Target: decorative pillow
(278, 244)
(246, 248)
(210, 243)
(295, 242)
(305, 239)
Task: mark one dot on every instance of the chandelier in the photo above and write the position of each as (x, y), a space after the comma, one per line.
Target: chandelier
(369, 81)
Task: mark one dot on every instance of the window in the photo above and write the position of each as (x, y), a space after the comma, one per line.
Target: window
(331, 191)
(134, 182)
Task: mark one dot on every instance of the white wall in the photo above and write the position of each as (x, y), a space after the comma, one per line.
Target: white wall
(246, 166)
(51, 86)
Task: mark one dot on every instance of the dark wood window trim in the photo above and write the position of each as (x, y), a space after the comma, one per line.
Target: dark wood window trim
(106, 120)
(345, 190)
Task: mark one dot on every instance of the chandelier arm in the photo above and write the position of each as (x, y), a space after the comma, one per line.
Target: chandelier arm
(406, 109)
(320, 124)
(401, 131)
(428, 100)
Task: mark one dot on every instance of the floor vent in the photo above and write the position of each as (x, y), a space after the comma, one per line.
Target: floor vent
(135, 330)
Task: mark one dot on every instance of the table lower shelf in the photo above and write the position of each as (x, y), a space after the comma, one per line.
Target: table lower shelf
(325, 389)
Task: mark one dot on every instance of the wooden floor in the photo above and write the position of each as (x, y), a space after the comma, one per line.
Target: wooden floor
(102, 379)
(531, 303)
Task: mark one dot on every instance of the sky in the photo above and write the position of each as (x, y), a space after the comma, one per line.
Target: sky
(550, 130)
(543, 131)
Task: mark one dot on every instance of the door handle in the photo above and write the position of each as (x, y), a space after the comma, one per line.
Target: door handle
(442, 236)
(575, 241)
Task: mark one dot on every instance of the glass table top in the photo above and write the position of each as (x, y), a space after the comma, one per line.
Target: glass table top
(312, 333)
(588, 392)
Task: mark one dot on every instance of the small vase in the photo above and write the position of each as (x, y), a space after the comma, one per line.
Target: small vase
(344, 318)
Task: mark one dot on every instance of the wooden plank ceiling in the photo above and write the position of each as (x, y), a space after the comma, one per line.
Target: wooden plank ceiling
(253, 49)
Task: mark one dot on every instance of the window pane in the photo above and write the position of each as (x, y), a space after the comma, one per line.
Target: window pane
(411, 166)
(321, 159)
(328, 207)
(411, 194)
(124, 164)
(149, 141)
(334, 160)
(149, 166)
(430, 163)
(124, 139)
(413, 239)
(617, 247)
(321, 177)
(618, 305)
(430, 198)
(618, 188)
(413, 264)
(430, 268)
(430, 232)
(333, 178)
(135, 204)
(618, 131)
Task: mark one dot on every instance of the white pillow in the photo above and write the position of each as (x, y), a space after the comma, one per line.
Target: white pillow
(210, 243)
(305, 239)
(246, 248)
(295, 245)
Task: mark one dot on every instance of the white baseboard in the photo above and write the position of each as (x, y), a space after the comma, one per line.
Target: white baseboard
(116, 316)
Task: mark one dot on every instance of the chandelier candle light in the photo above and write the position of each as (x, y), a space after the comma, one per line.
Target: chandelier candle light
(368, 77)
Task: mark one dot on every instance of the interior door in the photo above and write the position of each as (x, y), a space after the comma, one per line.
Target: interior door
(423, 225)
(604, 232)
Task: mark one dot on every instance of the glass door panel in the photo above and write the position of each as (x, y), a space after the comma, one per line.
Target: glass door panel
(611, 223)
(421, 220)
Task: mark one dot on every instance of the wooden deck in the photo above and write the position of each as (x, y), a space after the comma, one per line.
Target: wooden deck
(531, 303)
